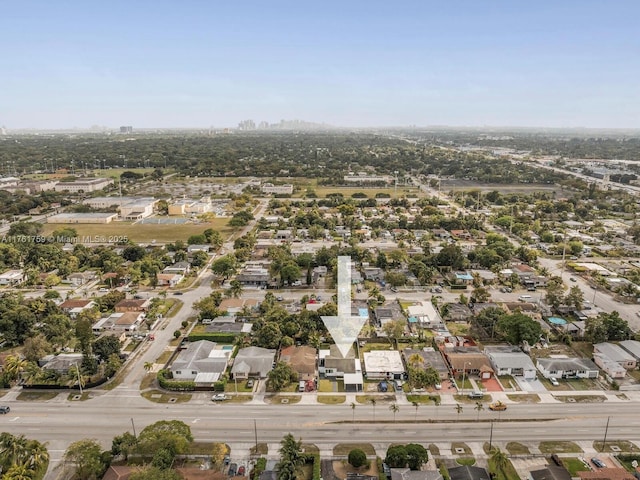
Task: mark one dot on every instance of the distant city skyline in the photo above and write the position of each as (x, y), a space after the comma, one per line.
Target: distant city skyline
(196, 64)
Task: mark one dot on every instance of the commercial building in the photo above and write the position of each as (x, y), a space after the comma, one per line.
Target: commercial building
(270, 188)
(83, 185)
(82, 218)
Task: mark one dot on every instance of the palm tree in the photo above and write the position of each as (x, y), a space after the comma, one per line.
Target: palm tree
(478, 408)
(499, 459)
(148, 366)
(416, 405)
(373, 402)
(13, 367)
(353, 412)
(395, 409)
(38, 455)
(459, 409)
(19, 472)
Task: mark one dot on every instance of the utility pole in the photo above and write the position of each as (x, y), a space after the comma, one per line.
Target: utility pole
(491, 436)
(606, 430)
(255, 432)
(134, 429)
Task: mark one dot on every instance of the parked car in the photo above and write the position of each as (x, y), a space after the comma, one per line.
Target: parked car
(573, 279)
(233, 469)
(241, 471)
(475, 395)
(598, 463)
(178, 293)
(279, 298)
(250, 383)
(438, 386)
(554, 382)
(4, 409)
(218, 397)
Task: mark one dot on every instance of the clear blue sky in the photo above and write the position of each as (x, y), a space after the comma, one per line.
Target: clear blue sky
(348, 63)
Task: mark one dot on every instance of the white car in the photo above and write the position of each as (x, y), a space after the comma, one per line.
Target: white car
(554, 382)
(218, 397)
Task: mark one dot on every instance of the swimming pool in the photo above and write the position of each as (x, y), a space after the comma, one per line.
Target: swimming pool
(557, 321)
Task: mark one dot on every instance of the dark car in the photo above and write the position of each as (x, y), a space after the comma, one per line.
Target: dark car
(233, 469)
(178, 293)
(4, 409)
(598, 463)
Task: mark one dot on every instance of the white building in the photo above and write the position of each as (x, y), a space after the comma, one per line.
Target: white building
(12, 277)
(83, 185)
(270, 188)
(383, 364)
(82, 218)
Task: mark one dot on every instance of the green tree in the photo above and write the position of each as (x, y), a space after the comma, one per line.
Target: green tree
(155, 473)
(106, 346)
(224, 266)
(174, 436)
(396, 456)
(417, 455)
(36, 347)
(395, 409)
(517, 327)
(357, 458)
(123, 445)
(499, 460)
(478, 408)
(555, 293)
(86, 456)
(291, 458)
(281, 376)
(575, 298)
(218, 452)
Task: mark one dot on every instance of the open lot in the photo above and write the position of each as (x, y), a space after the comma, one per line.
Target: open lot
(144, 232)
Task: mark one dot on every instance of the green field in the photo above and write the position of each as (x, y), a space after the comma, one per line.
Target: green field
(140, 233)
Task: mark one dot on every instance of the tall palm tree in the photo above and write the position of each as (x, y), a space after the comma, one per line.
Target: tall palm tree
(38, 455)
(499, 459)
(459, 409)
(478, 408)
(373, 402)
(416, 405)
(14, 448)
(19, 472)
(395, 409)
(13, 367)
(353, 412)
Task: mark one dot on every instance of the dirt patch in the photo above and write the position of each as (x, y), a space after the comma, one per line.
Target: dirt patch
(341, 468)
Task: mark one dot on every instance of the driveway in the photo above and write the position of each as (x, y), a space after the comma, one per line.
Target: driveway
(534, 385)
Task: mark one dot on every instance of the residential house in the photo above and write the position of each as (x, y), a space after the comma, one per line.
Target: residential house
(123, 322)
(332, 364)
(610, 367)
(302, 359)
(234, 306)
(468, 473)
(383, 364)
(458, 312)
(373, 274)
(633, 347)
(132, 305)
(13, 277)
(617, 354)
(253, 362)
(181, 268)
(254, 276)
(119, 472)
(431, 358)
(169, 279)
(607, 474)
(407, 474)
(60, 363)
(568, 367)
(462, 278)
(227, 324)
(510, 360)
(425, 315)
(201, 362)
(550, 472)
(78, 279)
(198, 248)
(470, 361)
(76, 305)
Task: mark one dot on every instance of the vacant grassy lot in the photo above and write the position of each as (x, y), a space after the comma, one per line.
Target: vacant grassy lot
(559, 447)
(144, 233)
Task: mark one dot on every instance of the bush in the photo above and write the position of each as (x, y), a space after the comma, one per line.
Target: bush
(165, 382)
(261, 466)
(357, 458)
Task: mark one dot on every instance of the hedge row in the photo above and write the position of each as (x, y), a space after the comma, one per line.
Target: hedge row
(175, 385)
(315, 458)
(213, 337)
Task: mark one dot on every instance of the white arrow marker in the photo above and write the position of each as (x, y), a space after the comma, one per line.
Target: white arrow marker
(344, 328)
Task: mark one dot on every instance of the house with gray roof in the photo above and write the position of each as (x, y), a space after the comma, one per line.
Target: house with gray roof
(567, 367)
(510, 360)
(431, 358)
(616, 353)
(201, 362)
(633, 347)
(407, 474)
(468, 473)
(253, 362)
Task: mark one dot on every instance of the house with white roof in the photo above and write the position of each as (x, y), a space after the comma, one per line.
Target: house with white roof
(510, 360)
(616, 353)
(201, 362)
(383, 364)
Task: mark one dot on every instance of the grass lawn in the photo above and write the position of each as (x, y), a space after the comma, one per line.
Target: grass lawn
(458, 328)
(132, 345)
(325, 386)
(378, 398)
(331, 399)
(145, 232)
(508, 382)
(164, 357)
(525, 398)
(160, 397)
(421, 399)
(580, 398)
(623, 445)
(574, 466)
(515, 448)
(31, 396)
(262, 449)
(506, 473)
(464, 446)
(626, 461)
(147, 381)
(375, 346)
(433, 450)
(230, 387)
(466, 461)
(238, 398)
(288, 399)
(83, 397)
(202, 448)
(582, 384)
(550, 447)
(345, 448)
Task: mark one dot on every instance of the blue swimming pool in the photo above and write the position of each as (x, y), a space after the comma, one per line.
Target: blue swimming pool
(557, 320)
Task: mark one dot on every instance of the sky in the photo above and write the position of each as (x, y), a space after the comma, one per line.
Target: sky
(182, 64)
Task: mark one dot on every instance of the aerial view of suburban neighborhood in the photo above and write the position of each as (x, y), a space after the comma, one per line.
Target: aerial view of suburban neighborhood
(364, 264)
